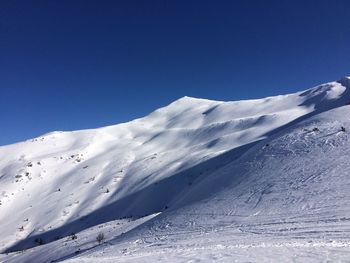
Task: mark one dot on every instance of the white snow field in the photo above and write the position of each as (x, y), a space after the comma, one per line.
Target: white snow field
(196, 181)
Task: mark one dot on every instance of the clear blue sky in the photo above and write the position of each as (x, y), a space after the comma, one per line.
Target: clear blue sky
(67, 65)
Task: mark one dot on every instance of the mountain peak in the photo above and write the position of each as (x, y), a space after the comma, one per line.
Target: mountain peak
(192, 99)
(345, 81)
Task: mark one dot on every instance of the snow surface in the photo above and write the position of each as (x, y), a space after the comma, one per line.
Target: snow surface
(201, 180)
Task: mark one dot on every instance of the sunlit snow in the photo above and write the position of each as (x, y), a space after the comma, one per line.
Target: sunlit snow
(255, 180)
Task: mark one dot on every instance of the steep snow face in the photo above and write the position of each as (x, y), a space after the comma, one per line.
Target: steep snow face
(65, 182)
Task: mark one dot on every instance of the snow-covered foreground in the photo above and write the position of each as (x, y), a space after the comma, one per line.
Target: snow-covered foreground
(255, 180)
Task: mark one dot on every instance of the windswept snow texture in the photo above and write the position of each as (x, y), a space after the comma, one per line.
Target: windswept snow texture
(256, 180)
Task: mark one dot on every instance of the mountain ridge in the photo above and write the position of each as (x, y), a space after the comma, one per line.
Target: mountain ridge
(171, 160)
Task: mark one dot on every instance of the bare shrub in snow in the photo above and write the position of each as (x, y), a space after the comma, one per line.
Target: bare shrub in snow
(100, 237)
(39, 241)
(73, 236)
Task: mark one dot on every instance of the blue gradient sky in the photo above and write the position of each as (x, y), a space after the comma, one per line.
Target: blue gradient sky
(67, 65)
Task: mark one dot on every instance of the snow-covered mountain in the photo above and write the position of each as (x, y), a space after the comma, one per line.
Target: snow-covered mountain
(198, 179)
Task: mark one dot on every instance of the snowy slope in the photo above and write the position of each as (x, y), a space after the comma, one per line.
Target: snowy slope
(195, 179)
